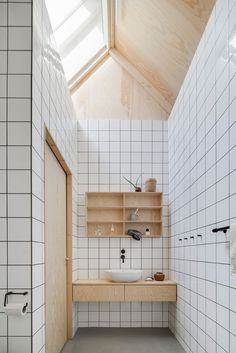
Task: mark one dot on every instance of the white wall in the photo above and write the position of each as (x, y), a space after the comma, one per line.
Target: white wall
(51, 107)
(33, 94)
(107, 150)
(15, 168)
(202, 179)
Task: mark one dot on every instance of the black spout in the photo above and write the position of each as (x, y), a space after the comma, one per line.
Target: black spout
(122, 256)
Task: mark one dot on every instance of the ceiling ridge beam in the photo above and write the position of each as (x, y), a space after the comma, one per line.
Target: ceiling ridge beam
(108, 8)
(146, 84)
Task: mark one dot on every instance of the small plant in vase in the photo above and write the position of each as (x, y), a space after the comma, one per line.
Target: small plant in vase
(136, 187)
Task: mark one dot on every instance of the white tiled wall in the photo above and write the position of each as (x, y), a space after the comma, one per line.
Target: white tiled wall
(202, 173)
(15, 173)
(51, 107)
(107, 150)
(202, 179)
(29, 100)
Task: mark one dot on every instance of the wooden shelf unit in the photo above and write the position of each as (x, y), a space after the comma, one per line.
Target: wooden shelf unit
(107, 208)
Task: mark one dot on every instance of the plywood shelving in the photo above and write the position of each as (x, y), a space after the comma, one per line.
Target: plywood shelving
(105, 209)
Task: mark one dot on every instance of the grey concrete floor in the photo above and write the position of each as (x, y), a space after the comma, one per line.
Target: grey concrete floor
(123, 340)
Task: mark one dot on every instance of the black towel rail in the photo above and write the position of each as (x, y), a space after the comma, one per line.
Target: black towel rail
(222, 229)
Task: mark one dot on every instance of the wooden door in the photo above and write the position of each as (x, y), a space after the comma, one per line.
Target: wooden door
(55, 253)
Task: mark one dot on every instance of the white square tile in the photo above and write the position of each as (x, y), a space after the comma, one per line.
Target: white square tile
(125, 135)
(3, 104)
(19, 62)
(3, 62)
(19, 229)
(115, 135)
(223, 337)
(3, 229)
(19, 38)
(136, 135)
(223, 316)
(3, 253)
(233, 322)
(38, 275)
(136, 146)
(19, 181)
(158, 125)
(19, 205)
(19, 14)
(223, 295)
(3, 38)
(3, 14)
(19, 110)
(3, 325)
(19, 86)
(3, 184)
(3, 86)
(18, 157)
(19, 253)
(3, 205)
(19, 277)
(19, 134)
(114, 146)
(3, 276)
(19, 344)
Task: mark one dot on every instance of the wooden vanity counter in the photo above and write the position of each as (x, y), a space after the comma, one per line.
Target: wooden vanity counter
(103, 290)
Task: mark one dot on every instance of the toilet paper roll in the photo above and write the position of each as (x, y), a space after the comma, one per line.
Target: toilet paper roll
(15, 309)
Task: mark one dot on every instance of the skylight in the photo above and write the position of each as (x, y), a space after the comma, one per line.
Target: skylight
(78, 30)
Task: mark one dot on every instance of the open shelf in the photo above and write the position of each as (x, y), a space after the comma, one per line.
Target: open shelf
(107, 199)
(105, 228)
(105, 208)
(142, 199)
(143, 221)
(104, 222)
(155, 228)
(111, 213)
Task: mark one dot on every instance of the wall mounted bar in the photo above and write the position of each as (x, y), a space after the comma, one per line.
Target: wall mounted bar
(222, 229)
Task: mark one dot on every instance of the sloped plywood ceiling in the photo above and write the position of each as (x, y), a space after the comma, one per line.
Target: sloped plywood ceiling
(160, 37)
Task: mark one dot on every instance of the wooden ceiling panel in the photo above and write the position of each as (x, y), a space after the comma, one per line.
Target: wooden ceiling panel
(160, 37)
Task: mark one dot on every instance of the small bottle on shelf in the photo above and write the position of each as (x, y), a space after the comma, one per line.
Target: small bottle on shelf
(147, 232)
(112, 229)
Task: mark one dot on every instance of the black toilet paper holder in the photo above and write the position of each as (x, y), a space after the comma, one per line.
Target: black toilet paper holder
(14, 293)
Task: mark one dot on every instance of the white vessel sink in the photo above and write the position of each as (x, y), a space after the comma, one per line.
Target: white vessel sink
(124, 275)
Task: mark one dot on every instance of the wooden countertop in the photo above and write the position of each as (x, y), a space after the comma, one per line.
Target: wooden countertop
(100, 282)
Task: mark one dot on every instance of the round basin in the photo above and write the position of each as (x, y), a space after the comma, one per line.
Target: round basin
(123, 275)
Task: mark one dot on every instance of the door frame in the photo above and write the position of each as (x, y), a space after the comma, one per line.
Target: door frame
(51, 143)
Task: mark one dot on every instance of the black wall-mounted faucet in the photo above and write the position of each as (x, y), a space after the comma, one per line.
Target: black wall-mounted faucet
(122, 255)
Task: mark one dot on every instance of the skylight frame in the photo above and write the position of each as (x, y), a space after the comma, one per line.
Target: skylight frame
(108, 16)
(71, 29)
